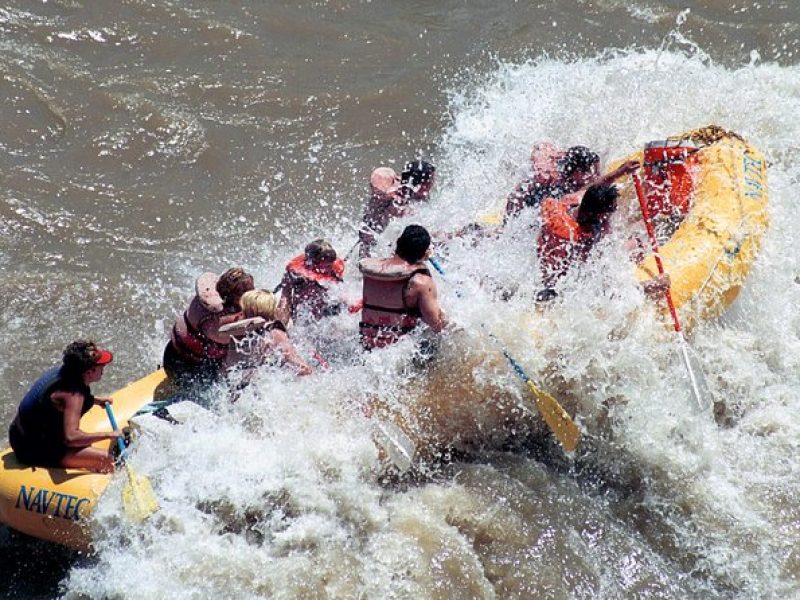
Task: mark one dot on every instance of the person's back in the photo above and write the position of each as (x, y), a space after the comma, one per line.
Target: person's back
(571, 226)
(197, 348)
(398, 292)
(266, 340)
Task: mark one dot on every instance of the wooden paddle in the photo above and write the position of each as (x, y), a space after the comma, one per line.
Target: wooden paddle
(697, 382)
(557, 419)
(138, 498)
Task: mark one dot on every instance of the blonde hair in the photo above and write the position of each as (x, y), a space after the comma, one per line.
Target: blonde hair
(259, 303)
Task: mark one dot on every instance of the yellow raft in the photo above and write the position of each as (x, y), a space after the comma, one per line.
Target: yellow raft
(52, 503)
(711, 253)
(708, 259)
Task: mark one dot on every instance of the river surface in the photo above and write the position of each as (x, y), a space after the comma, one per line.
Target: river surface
(142, 143)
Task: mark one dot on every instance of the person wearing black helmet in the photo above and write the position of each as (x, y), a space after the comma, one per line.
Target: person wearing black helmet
(557, 173)
(417, 179)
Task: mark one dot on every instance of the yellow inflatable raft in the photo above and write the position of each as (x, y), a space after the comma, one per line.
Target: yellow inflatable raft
(712, 251)
(52, 504)
(712, 187)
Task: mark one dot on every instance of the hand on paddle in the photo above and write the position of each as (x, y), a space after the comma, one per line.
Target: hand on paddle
(656, 287)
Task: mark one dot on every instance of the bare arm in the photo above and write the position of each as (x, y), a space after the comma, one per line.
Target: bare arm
(73, 436)
(290, 355)
(625, 168)
(427, 296)
(284, 310)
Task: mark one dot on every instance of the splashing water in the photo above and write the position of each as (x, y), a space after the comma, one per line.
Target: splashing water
(280, 494)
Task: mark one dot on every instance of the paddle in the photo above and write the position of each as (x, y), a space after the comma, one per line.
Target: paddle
(138, 498)
(557, 419)
(399, 448)
(697, 382)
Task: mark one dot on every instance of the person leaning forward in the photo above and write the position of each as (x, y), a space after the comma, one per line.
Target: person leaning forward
(197, 348)
(46, 429)
(308, 281)
(399, 292)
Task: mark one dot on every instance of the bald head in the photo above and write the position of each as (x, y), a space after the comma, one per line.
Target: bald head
(384, 182)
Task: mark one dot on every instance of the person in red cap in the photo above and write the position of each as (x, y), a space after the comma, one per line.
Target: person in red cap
(46, 429)
(306, 285)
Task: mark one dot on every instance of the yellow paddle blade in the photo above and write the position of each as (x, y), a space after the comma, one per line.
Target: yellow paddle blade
(558, 419)
(138, 498)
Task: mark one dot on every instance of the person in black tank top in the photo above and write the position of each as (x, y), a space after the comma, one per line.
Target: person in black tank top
(46, 429)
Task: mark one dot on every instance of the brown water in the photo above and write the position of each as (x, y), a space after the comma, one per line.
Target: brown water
(144, 142)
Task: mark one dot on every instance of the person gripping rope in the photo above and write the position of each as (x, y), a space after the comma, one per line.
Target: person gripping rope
(399, 292)
(46, 429)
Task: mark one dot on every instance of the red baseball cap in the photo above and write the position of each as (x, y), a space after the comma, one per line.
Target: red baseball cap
(103, 357)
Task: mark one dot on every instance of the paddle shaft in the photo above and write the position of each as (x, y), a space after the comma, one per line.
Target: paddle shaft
(654, 243)
(693, 379)
(558, 419)
(113, 422)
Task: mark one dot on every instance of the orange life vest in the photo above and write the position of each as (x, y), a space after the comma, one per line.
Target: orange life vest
(386, 317)
(310, 287)
(562, 240)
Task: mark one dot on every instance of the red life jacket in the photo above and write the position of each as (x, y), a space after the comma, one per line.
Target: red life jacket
(386, 317)
(192, 344)
(310, 287)
(669, 169)
(562, 240)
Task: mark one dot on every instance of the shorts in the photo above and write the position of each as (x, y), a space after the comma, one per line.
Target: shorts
(41, 454)
(187, 373)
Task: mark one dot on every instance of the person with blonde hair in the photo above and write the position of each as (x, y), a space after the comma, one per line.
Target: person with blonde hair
(261, 338)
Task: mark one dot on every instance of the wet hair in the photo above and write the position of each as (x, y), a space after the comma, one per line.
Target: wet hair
(233, 283)
(413, 243)
(598, 200)
(259, 303)
(577, 159)
(320, 250)
(80, 356)
(417, 172)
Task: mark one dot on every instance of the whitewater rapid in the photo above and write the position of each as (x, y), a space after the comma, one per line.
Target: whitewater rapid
(280, 494)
